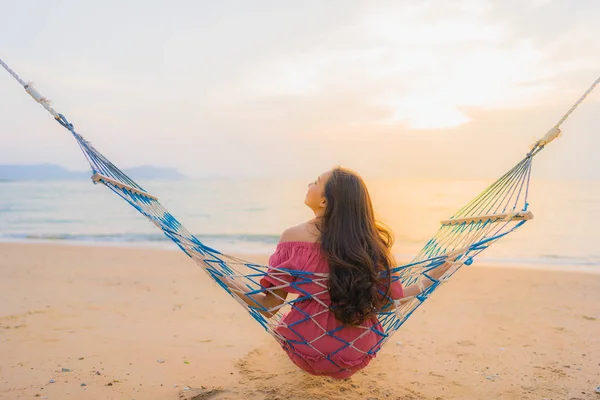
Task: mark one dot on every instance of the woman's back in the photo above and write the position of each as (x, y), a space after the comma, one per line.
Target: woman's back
(310, 333)
(339, 265)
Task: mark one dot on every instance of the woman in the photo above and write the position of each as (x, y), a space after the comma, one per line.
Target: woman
(333, 329)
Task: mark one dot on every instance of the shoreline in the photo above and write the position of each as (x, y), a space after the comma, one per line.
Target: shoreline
(169, 246)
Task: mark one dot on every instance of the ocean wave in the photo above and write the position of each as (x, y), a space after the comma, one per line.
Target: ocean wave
(143, 237)
(264, 244)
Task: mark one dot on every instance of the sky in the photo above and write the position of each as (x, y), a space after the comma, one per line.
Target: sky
(272, 89)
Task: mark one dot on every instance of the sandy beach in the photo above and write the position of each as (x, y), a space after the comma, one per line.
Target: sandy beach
(90, 322)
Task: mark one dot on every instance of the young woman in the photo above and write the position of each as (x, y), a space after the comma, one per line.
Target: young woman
(335, 331)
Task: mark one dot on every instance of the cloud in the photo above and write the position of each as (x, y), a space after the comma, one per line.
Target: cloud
(233, 88)
(420, 65)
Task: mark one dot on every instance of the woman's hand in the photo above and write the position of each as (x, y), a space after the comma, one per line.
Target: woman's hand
(424, 282)
(266, 303)
(234, 285)
(439, 271)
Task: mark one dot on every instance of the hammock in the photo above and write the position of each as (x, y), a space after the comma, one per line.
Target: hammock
(494, 213)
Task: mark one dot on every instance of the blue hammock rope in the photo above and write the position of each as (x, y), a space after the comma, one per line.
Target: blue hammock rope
(497, 211)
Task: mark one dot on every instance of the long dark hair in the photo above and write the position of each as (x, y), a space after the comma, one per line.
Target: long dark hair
(357, 248)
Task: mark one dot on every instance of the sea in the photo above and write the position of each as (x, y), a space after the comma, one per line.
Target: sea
(247, 216)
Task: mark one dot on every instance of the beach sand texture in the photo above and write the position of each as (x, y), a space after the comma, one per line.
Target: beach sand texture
(123, 323)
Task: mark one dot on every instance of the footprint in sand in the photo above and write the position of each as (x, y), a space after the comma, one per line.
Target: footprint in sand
(16, 317)
(267, 372)
(200, 393)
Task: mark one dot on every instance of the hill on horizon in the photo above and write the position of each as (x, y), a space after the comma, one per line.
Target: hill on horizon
(55, 172)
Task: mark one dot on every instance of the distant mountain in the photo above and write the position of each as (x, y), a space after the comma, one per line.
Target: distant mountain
(56, 172)
(152, 172)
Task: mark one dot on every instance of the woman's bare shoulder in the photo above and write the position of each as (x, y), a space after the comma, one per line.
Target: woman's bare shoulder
(305, 232)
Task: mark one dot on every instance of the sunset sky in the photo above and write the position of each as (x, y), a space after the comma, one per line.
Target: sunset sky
(445, 89)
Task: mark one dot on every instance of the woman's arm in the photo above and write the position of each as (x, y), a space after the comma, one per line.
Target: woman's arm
(414, 290)
(422, 284)
(268, 300)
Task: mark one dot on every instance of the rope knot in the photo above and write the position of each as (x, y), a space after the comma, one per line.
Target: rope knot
(64, 122)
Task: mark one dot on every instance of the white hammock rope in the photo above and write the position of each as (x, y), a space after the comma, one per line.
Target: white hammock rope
(577, 103)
